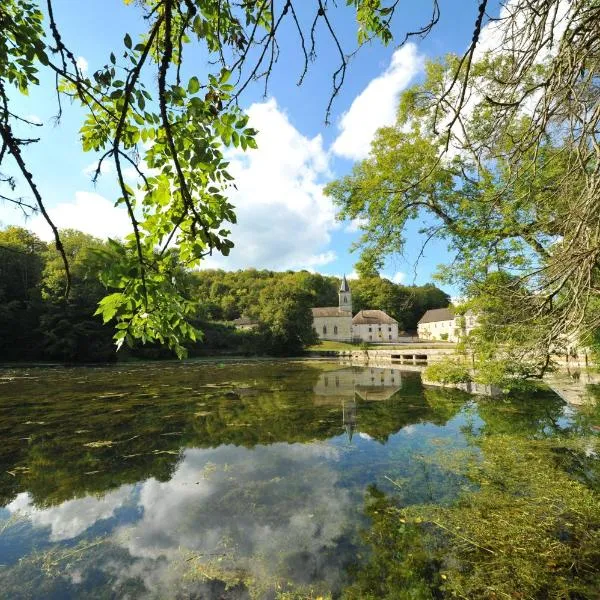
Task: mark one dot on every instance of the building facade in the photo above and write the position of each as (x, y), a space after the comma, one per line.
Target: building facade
(337, 324)
(445, 325)
(374, 326)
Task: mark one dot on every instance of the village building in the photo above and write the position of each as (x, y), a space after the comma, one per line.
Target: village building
(374, 326)
(336, 322)
(445, 325)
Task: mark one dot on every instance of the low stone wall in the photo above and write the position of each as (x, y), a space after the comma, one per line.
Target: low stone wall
(393, 357)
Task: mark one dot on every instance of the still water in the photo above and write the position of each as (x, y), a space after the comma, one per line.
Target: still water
(286, 480)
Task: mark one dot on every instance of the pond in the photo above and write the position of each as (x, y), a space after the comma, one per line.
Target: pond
(291, 479)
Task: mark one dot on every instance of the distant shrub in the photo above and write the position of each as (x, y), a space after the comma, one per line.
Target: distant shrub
(444, 336)
(448, 371)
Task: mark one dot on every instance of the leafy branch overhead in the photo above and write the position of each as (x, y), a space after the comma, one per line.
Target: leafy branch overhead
(141, 114)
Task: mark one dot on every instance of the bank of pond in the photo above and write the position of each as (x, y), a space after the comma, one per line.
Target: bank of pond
(291, 479)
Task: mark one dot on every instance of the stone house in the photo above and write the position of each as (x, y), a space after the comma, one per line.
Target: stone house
(335, 322)
(445, 324)
(374, 326)
(244, 323)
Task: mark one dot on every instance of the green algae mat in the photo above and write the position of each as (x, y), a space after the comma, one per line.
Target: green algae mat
(289, 480)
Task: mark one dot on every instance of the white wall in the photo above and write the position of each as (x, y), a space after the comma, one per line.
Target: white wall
(452, 327)
(343, 324)
(376, 333)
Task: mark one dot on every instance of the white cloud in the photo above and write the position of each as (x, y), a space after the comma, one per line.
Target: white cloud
(89, 212)
(356, 225)
(284, 219)
(375, 106)
(34, 119)
(398, 277)
(82, 64)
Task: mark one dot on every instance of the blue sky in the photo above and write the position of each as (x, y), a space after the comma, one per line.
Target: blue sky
(284, 220)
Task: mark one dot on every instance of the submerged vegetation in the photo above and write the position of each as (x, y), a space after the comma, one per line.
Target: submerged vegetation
(251, 479)
(527, 525)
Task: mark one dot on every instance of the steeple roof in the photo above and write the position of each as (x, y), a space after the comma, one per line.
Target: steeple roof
(344, 287)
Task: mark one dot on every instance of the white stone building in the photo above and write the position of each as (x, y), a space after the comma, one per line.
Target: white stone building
(374, 326)
(444, 324)
(336, 322)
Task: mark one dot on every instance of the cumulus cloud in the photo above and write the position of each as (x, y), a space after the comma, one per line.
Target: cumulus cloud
(375, 106)
(398, 277)
(284, 219)
(355, 225)
(88, 212)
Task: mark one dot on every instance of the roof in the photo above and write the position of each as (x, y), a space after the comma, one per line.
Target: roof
(344, 287)
(434, 315)
(372, 317)
(330, 311)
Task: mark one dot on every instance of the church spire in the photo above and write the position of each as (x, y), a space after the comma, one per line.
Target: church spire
(344, 287)
(345, 296)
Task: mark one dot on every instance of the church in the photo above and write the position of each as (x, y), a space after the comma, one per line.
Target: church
(337, 323)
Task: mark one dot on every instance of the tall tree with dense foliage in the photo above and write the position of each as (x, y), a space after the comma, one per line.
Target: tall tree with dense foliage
(498, 152)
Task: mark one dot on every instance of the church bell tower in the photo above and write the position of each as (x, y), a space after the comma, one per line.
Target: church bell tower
(345, 296)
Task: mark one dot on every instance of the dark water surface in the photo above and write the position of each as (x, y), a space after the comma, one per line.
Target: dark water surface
(276, 480)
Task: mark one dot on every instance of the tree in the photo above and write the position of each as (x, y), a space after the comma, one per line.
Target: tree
(21, 265)
(141, 114)
(285, 316)
(498, 147)
(69, 330)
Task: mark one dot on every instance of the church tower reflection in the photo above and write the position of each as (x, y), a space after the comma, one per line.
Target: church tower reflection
(351, 385)
(349, 417)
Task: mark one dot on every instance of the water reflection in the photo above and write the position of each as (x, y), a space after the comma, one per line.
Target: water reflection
(222, 481)
(348, 386)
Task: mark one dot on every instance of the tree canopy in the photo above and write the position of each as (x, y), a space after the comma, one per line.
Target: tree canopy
(497, 151)
(500, 144)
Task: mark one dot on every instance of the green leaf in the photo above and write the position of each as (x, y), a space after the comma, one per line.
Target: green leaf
(193, 85)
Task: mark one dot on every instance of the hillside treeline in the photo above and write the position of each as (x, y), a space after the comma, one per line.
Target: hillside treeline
(37, 323)
(227, 295)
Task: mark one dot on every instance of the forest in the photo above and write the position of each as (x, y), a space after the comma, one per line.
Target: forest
(40, 324)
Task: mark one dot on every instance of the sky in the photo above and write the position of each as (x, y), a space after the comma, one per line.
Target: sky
(284, 219)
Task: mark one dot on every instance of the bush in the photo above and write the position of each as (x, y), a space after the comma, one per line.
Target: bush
(448, 371)
(505, 374)
(444, 337)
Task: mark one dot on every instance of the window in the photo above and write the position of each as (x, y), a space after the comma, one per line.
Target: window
(337, 381)
(390, 329)
(326, 381)
(370, 329)
(346, 299)
(335, 330)
(370, 338)
(389, 336)
(324, 329)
